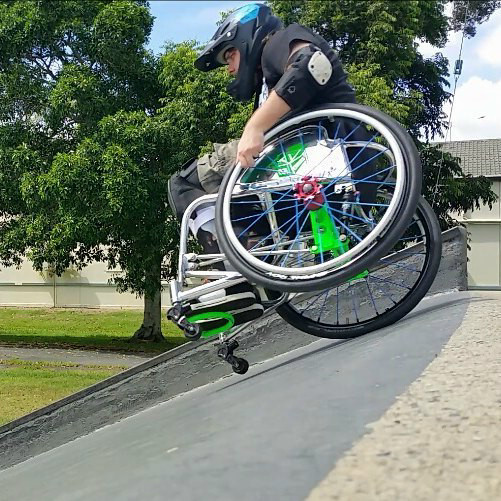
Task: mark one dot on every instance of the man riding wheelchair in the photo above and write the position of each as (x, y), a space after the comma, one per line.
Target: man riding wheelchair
(288, 70)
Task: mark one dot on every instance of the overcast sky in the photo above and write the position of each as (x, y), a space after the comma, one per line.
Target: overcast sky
(477, 105)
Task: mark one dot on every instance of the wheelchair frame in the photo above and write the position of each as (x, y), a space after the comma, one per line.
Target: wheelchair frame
(188, 263)
(223, 280)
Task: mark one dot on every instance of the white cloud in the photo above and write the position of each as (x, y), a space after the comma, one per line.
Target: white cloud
(476, 112)
(488, 48)
(450, 50)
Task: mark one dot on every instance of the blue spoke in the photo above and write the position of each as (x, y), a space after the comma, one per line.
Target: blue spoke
(333, 149)
(264, 169)
(363, 149)
(247, 202)
(383, 291)
(372, 297)
(398, 265)
(352, 216)
(406, 254)
(337, 305)
(300, 257)
(312, 302)
(264, 213)
(359, 203)
(354, 305)
(364, 180)
(323, 306)
(337, 130)
(256, 215)
(342, 224)
(412, 238)
(364, 163)
(297, 236)
(385, 280)
(275, 231)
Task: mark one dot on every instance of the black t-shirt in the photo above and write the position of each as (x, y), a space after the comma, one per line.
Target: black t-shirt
(276, 54)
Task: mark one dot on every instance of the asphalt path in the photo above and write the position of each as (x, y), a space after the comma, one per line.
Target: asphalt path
(272, 434)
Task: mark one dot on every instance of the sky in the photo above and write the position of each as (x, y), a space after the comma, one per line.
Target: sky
(477, 104)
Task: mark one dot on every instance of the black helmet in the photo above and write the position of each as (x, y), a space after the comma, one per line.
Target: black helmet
(245, 30)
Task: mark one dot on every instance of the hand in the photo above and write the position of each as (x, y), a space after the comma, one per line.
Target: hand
(250, 145)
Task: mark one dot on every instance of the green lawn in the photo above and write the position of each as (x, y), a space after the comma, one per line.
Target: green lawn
(81, 328)
(28, 386)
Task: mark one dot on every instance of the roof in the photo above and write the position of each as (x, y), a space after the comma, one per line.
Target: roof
(479, 157)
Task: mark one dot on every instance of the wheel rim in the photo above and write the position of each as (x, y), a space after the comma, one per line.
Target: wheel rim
(267, 193)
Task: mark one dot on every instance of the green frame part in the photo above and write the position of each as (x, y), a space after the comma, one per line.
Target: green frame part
(326, 237)
(325, 233)
(214, 315)
(286, 162)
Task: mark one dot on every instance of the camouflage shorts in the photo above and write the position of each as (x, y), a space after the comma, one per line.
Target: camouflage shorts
(212, 166)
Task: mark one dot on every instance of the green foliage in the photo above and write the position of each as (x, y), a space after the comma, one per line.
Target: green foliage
(198, 103)
(92, 125)
(83, 168)
(376, 40)
(468, 14)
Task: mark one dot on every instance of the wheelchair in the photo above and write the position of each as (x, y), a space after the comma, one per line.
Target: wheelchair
(329, 226)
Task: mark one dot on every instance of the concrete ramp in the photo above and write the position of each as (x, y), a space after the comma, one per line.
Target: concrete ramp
(297, 424)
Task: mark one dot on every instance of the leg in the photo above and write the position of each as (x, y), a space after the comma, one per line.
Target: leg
(197, 178)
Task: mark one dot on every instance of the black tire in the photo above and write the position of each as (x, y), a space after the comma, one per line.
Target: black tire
(393, 232)
(241, 367)
(433, 252)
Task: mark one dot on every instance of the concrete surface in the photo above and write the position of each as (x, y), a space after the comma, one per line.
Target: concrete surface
(272, 434)
(84, 357)
(441, 440)
(177, 371)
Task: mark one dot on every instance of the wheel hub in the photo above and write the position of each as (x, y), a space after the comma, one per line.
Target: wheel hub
(309, 192)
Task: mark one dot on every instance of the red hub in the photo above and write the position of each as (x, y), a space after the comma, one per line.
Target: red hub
(309, 192)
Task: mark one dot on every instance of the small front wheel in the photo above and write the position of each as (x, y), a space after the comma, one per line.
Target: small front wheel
(240, 365)
(193, 332)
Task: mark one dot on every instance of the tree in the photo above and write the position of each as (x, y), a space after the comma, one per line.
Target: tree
(466, 15)
(74, 77)
(84, 154)
(376, 40)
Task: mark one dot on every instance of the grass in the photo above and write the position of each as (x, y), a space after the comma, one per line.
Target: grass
(109, 330)
(27, 386)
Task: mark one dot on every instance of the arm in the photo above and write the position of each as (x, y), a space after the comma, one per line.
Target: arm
(252, 141)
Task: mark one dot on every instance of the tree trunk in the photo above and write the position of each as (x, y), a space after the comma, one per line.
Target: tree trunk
(151, 328)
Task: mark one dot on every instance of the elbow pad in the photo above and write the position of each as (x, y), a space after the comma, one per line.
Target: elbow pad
(308, 72)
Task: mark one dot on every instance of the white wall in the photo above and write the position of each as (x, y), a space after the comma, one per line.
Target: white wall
(86, 288)
(484, 232)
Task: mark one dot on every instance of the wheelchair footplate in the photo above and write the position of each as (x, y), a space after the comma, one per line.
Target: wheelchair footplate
(193, 331)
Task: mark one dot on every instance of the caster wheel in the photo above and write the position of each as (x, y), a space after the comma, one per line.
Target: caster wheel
(174, 313)
(241, 366)
(192, 332)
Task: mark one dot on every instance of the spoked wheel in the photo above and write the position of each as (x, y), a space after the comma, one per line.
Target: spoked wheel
(301, 219)
(382, 295)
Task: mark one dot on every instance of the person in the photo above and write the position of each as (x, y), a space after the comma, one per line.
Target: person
(286, 69)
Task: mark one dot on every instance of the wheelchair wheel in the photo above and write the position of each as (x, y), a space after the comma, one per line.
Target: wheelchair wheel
(304, 218)
(381, 296)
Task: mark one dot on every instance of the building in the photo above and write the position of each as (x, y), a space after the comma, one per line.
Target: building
(482, 158)
(88, 287)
